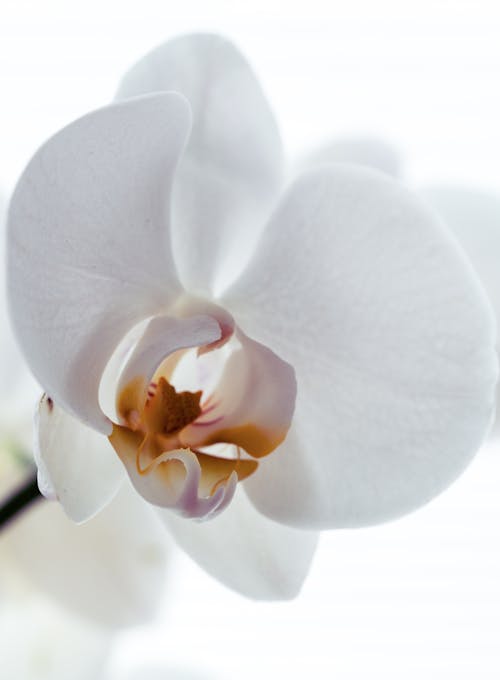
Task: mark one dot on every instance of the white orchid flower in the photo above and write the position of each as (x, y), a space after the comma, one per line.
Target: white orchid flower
(112, 570)
(323, 346)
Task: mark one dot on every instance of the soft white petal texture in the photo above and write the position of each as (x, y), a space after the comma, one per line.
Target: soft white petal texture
(359, 286)
(111, 569)
(247, 552)
(89, 247)
(368, 151)
(232, 167)
(18, 390)
(76, 464)
(474, 218)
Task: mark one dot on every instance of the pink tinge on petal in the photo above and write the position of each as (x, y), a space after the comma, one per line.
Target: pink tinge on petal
(189, 306)
(226, 333)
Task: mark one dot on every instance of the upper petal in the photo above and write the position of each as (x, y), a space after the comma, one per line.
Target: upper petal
(88, 243)
(246, 551)
(232, 167)
(360, 288)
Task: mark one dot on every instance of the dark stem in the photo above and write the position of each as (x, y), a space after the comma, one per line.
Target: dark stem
(19, 500)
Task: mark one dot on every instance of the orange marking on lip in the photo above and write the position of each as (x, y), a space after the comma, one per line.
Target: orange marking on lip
(255, 441)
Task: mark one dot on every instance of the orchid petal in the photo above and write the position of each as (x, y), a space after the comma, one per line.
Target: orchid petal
(89, 248)
(247, 552)
(111, 569)
(232, 167)
(76, 465)
(368, 151)
(360, 288)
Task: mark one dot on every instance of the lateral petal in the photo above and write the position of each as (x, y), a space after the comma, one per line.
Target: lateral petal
(358, 286)
(88, 243)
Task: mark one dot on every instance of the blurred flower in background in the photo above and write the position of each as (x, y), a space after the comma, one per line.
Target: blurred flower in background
(42, 641)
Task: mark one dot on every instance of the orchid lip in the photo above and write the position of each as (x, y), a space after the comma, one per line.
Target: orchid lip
(169, 437)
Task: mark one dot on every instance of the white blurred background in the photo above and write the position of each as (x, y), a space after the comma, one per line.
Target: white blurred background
(418, 598)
